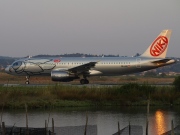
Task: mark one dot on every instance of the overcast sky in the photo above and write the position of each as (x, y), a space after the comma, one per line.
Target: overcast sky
(124, 27)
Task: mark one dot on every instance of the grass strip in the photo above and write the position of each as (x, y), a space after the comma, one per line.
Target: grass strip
(131, 94)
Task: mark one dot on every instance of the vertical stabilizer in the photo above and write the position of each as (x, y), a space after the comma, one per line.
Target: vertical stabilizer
(158, 48)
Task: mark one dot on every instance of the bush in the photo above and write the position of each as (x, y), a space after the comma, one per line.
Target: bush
(130, 86)
(176, 83)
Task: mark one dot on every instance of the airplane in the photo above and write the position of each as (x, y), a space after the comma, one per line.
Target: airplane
(67, 69)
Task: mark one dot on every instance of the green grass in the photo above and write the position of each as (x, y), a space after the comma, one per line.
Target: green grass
(131, 94)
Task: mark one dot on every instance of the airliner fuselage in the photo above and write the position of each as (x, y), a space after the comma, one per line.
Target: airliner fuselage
(70, 68)
(88, 66)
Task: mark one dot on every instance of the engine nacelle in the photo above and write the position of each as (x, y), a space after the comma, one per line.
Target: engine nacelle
(62, 76)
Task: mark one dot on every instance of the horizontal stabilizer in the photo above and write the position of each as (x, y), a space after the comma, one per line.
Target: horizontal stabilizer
(161, 61)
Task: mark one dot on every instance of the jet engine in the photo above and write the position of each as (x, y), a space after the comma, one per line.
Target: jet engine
(62, 76)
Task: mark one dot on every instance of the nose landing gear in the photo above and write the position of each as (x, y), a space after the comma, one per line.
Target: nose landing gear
(27, 79)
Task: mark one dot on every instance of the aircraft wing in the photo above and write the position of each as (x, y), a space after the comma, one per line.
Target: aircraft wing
(82, 68)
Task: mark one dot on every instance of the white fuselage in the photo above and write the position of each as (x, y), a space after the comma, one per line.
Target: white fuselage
(105, 66)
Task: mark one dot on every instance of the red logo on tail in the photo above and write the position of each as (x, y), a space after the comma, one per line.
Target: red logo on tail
(159, 46)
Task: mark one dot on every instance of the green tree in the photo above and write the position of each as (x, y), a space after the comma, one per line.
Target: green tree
(150, 74)
(163, 75)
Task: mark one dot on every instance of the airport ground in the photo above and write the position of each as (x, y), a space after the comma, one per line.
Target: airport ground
(5, 78)
(133, 91)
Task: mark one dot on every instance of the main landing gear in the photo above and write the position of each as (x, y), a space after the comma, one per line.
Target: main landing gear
(84, 81)
(27, 79)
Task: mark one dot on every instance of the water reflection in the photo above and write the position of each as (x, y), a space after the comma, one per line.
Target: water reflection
(160, 122)
(106, 119)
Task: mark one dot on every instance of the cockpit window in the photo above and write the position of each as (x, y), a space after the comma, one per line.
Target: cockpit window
(17, 64)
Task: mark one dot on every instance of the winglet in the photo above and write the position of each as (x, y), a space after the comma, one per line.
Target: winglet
(158, 48)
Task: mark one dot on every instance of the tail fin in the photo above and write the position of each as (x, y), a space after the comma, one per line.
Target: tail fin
(158, 48)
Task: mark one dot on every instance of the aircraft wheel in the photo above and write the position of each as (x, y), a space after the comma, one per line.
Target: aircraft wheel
(27, 82)
(82, 81)
(86, 81)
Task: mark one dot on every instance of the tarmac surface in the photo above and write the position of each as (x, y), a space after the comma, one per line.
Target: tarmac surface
(78, 85)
